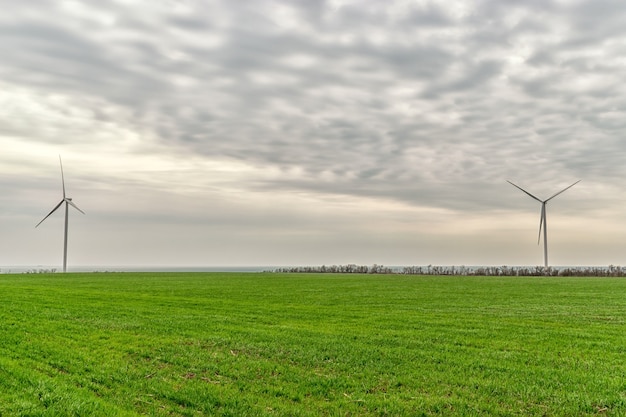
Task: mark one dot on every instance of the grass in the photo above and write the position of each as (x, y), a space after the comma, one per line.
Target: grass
(126, 344)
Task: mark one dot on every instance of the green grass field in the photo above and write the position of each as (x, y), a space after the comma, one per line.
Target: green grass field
(311, 345)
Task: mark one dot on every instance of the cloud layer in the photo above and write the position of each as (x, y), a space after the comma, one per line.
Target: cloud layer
(399, 114)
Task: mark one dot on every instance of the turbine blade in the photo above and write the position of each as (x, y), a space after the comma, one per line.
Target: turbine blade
(53, 210)
(73, 205)
(517, 186)
(62, 179)
(543, 213)
(566, 188)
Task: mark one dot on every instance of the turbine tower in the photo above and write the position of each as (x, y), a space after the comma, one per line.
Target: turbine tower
(543, 220)
(68, 202)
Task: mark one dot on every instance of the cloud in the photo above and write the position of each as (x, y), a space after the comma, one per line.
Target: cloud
(421, 106)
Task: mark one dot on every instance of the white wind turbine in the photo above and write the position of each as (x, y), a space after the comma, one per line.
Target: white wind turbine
(543, 220)
(68, 202)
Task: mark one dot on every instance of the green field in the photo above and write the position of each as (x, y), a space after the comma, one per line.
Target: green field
(257, 344)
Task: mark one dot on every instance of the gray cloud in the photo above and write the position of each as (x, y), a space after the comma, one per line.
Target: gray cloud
(426, 105)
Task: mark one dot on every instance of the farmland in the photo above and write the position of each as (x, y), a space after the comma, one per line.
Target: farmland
(274, 344)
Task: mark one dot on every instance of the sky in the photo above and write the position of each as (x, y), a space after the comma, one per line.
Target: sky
(310, 132)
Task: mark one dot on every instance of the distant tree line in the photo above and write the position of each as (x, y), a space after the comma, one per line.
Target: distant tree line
(41, 271)
(508, 271)
(339, 269)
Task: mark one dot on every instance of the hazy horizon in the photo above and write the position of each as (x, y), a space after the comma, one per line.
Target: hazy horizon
(256, 268)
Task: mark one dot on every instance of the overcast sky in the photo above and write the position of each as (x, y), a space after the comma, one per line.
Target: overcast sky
(213, 133)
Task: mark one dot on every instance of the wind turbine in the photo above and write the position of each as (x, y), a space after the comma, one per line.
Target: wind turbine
(543, 220)
(68, 202)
